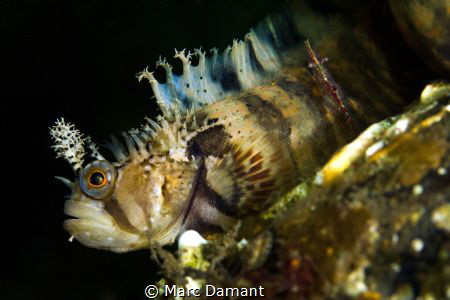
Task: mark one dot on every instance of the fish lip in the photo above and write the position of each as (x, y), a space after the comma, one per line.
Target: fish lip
(100, 236)
(94, 227)
(87, 210)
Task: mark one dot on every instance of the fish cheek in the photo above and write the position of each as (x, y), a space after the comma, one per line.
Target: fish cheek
(177, 186)
(128, 204)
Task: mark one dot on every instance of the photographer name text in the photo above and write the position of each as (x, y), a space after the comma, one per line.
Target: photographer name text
(211, 290)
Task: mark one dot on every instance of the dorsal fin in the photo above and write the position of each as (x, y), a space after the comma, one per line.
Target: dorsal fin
(240, 66)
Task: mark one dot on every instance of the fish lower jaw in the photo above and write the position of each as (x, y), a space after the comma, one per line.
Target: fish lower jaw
(97, 235)
(88, 210)
(94, 227)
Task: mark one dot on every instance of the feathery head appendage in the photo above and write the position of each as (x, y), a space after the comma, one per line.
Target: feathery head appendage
(94, 153)
(69, 143)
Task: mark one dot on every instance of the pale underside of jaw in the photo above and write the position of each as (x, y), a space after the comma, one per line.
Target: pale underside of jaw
(95, 227)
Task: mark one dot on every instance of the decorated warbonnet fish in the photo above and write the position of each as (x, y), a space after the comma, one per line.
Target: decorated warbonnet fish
(236, 132)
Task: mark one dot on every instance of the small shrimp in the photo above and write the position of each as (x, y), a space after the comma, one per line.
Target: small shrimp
(326, 81)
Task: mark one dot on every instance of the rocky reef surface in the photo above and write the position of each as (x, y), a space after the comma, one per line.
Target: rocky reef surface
(373, 223)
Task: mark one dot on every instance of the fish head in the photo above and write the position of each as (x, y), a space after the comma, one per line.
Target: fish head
(130, 204)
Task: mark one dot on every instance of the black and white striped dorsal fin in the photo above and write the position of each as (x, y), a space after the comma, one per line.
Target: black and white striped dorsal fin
(240, 66)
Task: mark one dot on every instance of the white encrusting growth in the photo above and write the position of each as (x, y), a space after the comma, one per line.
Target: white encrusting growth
(191, 239)
(240, 66)
(417, 245)
(417, 189)
(442, 171)
(374, 148)
(401, 125)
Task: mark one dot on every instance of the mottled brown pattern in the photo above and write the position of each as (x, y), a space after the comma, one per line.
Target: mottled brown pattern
(214, 141)
(266, 114)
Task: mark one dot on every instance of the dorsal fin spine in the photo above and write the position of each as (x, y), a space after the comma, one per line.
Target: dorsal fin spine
(240, 66)
(265, 53)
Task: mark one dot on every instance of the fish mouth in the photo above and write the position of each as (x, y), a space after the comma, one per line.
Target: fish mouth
(88, 210)
(94, 227)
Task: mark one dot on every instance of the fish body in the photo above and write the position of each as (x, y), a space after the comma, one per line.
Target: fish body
(236, 132)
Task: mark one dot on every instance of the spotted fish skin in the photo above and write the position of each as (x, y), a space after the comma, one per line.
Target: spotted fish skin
(236, 132)
(276, 136)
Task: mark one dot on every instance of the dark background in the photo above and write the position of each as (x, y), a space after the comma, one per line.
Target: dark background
(78, 60)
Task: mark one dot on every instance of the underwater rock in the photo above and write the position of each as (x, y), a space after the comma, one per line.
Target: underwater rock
(426, 27)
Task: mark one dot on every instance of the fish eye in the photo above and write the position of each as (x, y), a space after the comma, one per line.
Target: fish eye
(97, 179)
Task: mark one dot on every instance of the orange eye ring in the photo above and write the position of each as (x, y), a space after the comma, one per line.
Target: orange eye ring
(97, 179)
